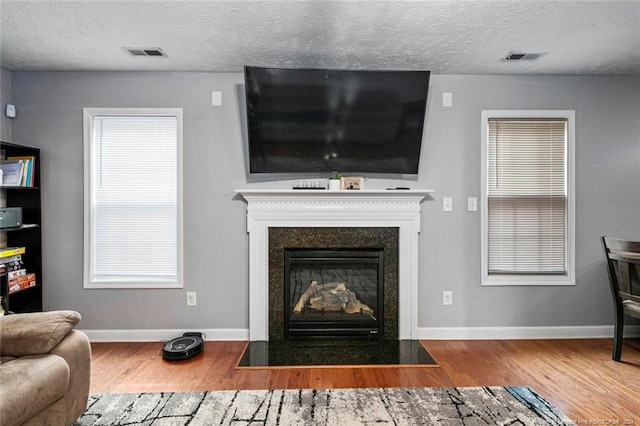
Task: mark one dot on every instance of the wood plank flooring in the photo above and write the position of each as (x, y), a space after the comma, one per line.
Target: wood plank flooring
(577, 376)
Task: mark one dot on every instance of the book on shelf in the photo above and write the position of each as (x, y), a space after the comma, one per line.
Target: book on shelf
(11, 260)
(22, 282)
(28, 170)
(12, 172)
(11, 251)
(11, 263)
(16, 274)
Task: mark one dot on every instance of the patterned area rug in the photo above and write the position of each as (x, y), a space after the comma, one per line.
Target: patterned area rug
(391, 406)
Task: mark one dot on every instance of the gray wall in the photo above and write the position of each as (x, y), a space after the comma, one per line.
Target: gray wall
(5, 98)
(607, 183)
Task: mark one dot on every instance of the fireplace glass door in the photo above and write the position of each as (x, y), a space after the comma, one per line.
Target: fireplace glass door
(333, 293)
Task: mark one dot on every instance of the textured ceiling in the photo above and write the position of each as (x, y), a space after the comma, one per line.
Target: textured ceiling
(446, 37)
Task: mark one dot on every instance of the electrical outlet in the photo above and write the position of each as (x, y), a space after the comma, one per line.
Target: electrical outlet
(472, 204)
(447, 298)
(191, 298)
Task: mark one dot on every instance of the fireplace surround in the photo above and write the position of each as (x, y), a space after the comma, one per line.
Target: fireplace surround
(269, 208)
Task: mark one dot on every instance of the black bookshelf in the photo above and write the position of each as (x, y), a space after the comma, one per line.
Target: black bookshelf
(28, 236)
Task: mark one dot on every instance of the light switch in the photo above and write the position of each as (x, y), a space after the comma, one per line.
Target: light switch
(216, 98)
(10, 111)
(447, 204)
(447, 99)
(472, 204)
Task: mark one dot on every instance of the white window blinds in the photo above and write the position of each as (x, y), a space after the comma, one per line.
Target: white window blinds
(134, 210)
(527, 196)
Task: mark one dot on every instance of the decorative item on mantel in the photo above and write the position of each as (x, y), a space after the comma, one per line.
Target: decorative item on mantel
(335, 181)
(352, 183)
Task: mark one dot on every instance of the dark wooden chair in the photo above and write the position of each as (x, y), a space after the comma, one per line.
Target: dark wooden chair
(623, 266)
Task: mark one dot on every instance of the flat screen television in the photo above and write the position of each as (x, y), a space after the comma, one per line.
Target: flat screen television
(325, 120)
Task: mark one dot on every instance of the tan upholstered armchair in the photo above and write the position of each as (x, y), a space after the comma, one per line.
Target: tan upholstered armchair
(44, 368)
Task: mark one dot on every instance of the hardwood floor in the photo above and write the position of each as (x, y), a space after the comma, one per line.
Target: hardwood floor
(577, 376)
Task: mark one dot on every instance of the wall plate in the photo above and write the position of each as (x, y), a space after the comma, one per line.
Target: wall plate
(10, 111)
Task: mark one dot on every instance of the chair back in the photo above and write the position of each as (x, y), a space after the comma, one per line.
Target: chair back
(623, 266)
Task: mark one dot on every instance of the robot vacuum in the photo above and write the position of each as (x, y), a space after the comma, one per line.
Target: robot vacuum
(185, 347)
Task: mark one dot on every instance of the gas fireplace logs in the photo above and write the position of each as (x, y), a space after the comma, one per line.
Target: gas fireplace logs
(331, 297)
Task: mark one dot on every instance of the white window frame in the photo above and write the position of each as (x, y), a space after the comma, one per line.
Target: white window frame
(519, 279)
(88, 119)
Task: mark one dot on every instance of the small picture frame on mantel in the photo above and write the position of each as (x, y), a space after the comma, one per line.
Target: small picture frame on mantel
(352, 183)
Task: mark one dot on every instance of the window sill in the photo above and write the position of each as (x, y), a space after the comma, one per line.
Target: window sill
(131, 285)
(527, 280)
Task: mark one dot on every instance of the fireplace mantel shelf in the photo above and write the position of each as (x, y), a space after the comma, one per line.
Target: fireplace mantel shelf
(327, 203)
(306, 193)
(268, 208)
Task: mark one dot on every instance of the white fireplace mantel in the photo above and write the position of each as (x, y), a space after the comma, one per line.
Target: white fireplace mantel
(268, 208)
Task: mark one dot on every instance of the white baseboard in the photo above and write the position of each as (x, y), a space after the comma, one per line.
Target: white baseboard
(519, 333)
(425, 333)
(155, 335)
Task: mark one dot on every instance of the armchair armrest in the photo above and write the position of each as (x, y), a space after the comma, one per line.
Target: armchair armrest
(35, 333)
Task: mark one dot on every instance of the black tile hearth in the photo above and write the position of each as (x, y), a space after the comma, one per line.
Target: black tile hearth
(335, 352)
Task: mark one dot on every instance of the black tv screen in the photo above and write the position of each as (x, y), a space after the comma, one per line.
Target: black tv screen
(323, 120)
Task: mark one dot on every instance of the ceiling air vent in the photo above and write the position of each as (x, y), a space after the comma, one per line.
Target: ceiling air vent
(146, 51)
(519, 56)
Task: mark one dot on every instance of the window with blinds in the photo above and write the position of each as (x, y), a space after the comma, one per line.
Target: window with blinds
(527, 199)
(133, 198)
